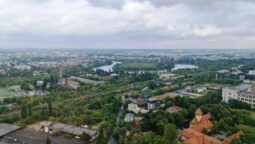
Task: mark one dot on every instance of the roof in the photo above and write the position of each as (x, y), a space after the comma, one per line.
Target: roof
(174, 108)
(199, 112)
(204, 123)
(194, 137)
(223, 71)
(7, 128)
(73, 129)
(241, 87)
(141, 101)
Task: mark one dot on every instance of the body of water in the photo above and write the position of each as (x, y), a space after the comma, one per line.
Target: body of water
(183, 66)
(108, 68)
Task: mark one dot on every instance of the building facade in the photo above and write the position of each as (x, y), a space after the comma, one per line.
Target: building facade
(242, 92)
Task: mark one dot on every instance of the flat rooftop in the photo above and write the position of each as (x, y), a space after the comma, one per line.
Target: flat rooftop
(7, 128)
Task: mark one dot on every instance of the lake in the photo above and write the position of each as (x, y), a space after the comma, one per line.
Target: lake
(183, 66)
(107, 68)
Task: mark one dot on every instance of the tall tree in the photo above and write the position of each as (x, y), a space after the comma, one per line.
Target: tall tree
(23, 111)
(170, 133)
(50, 107)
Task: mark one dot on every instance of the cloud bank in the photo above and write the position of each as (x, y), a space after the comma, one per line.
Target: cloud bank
(127, 23)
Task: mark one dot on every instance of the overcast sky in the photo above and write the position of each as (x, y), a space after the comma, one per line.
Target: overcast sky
(127, 24)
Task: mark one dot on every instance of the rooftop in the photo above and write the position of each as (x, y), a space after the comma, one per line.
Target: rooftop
(73, 129)
(7, 128)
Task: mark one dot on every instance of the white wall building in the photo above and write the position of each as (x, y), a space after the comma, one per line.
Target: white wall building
(242, 92)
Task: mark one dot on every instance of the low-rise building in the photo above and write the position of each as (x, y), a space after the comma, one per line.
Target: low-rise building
(74, 130)
(129, 117)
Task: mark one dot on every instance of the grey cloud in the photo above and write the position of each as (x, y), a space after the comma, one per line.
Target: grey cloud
(133, 23)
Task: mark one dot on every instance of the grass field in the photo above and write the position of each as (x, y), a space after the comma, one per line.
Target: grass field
(6, 92)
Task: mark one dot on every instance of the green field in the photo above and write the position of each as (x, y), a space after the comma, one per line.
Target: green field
(6, 91)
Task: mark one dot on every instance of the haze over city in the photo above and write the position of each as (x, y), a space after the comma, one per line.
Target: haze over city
(127, 24)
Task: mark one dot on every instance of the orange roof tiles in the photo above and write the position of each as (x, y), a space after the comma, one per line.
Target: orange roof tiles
(194, 135)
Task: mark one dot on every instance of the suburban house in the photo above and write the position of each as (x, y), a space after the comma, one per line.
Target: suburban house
(153, 104)
(136, 109)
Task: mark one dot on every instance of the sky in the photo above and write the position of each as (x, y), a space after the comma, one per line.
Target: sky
(134, 24)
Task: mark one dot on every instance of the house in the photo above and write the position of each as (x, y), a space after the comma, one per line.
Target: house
(153, 104)
(39, 83)
(173, 109)
(133, 107)
(129, 117)
(194, 135)
(140, 101)
(136, 109)
(201, 89)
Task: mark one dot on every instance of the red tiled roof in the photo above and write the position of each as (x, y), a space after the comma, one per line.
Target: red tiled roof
(204, 123)
(195, 137)
(141, 101)
(175, 108)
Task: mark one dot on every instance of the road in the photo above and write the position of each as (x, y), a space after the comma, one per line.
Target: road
(111, 139)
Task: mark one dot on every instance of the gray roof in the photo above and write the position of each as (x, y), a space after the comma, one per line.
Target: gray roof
(7, 128)
(241, 87)
(73, 129)
(223, 71)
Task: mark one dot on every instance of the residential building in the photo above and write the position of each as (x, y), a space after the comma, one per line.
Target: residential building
(136, 109)
(129, 117)
(242, 92)
(133, 107)
(153, 104)
(173, 109)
